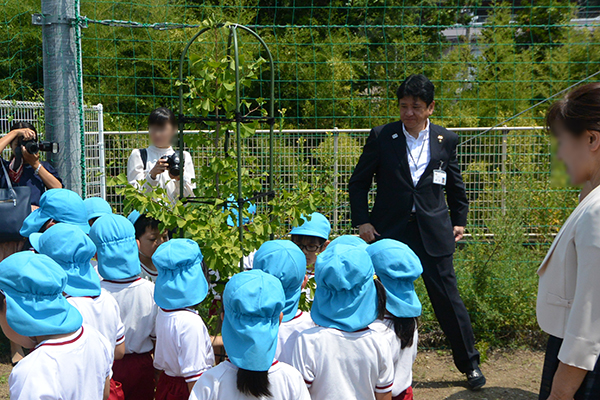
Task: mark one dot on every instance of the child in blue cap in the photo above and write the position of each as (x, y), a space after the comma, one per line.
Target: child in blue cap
(398, 267)
(284, 260)
(56, 205)
(312, 236)
(342, 358)
(183, 347)
(232, 207)
(254, 304)
(70, 361)
(119, 266)
(148, 237)
(72, 249)
(95, 208)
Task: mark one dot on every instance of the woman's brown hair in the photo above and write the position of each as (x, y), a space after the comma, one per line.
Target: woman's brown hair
(578, 111)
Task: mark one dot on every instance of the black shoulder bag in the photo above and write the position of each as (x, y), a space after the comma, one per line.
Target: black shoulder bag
(15, 206)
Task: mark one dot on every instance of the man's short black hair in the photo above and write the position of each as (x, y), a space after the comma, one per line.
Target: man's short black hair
(162, 116)
(418, 86)
(143, 223)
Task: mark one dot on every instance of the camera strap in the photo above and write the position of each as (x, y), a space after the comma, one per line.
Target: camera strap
(144, 157)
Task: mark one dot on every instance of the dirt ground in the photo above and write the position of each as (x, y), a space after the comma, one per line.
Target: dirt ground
(510, 374)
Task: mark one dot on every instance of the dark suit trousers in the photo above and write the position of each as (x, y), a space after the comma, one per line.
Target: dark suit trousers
(450, 311)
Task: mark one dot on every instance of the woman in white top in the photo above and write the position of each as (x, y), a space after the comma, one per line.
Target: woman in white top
(150, 167)
(568, 303)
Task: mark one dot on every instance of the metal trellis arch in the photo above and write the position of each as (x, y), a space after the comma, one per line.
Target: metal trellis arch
(239, 119)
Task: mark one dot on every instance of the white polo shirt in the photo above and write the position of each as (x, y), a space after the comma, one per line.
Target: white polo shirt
(183, 346)
(403, 357)
(220, 383)
(148, 274)
(344, 365)
(71, 368)
(288, 332)
(102, 312)
(138, 312)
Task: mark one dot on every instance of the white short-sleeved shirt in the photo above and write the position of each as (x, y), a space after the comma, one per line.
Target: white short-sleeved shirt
(148, 274)
(220, 383)
(138, 312)
(403, 357)
(136, 172)
(248, 261)
(344, 365)
(70, 368)
(102, 312)
(183, 346)
(288, 332)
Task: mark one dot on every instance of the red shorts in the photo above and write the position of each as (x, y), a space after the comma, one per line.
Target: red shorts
(136, 374)
(116, 391)
(406, 395)
(172, 388)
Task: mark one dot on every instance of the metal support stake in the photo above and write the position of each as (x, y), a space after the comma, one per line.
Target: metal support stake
(336, 140)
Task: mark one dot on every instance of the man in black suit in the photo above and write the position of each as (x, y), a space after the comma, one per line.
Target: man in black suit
(414, 162)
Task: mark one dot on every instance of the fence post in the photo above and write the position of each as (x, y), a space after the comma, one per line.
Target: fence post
(63, 94)
(101, 154)
(336, 138)
(503, 168)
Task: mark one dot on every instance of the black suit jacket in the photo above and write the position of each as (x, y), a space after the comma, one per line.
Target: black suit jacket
(384, 156)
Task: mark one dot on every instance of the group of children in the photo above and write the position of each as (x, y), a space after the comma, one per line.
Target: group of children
(126, 326)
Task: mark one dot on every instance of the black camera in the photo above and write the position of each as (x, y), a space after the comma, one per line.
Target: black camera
(174, 164)
(34, 147)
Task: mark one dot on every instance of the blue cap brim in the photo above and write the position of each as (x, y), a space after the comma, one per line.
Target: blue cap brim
(348, 311)
(250, 343)
(34, 240)
(301, 231)
(51, 315)
(174, 289)
(34, 222)
(82, 281)
(407, 306)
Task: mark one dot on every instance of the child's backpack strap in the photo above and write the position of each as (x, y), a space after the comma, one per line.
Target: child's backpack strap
(144, 156)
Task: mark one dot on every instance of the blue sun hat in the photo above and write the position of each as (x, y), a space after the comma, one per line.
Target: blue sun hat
(253, 301)
(33, 285)
(233, 208)
(318, 226)
(61, 205)
(72, 249)
(397, 267)
(180, 282)
(96, 207)
(134, 216)
(349, 240)
(346, 296)
(114, 237)
(285, 261)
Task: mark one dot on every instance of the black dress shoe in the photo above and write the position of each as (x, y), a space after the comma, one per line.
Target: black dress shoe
(475, 379)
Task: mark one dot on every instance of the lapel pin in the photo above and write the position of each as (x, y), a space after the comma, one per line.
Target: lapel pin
(395, 136)
(440, 138)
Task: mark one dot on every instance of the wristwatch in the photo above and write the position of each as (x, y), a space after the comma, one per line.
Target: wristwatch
(37, 170)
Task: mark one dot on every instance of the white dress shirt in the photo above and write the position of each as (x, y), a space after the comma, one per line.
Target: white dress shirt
(418, 152)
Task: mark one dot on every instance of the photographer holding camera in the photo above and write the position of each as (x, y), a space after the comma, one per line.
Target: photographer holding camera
(159, 164)
(24, 167)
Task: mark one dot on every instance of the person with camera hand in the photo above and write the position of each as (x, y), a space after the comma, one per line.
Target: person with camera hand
(25, 168)
(158, 165)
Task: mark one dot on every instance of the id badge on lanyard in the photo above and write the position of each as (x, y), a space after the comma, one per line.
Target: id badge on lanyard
(439, 175)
